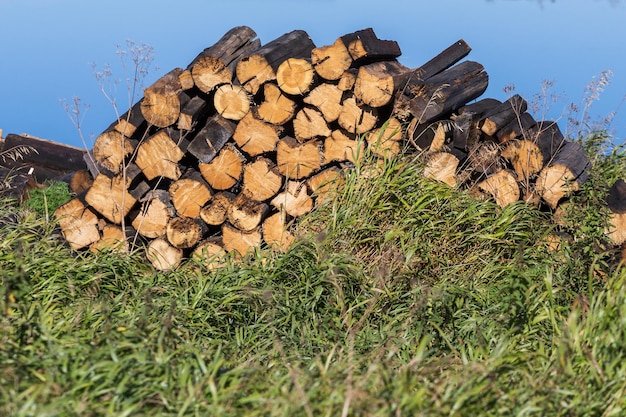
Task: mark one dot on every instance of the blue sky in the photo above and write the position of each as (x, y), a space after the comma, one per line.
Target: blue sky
(48, 47)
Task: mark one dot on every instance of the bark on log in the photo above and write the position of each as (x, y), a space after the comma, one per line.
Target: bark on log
(132, 122)
(237, 42)
(616, 202)
(194, 110)
(211, 138)
(516, 128)
(508, 111)
(444, 60)
(365, 45)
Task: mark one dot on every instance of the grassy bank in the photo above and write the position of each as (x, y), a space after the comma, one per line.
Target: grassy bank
(401, 296)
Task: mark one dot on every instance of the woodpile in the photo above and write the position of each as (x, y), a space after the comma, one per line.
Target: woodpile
(223, 155)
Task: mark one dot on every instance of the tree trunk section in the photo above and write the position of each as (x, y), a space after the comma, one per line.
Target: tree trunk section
(162, 255)
(231, 102)
(78, 223)
(295, 76)
(276, 108)
(330, 61)
(240, 242)
(261, 180)
(298, 160)
(161, 103)
(155, 213)
(502, 186)
(254, 136)
(275, 232)
(225, 170)
(159, 156)
(295, 200)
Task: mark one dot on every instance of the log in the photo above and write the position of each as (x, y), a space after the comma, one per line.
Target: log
(184, 232)
(564, 174)
(110, 196)
(502, 186)
(375, 83)
(259, 67)
(499, 117)
(254, 136)
(331, 61)
(347, 80)
(162, 255)
(154, 215)
(276, 108)
(211, 138)
(225, 170)
(239, 242)
(530, 154)
(355, 118)
(444, 60)
(616, 203)
(297, 160)
(323, 186)
(245, 213)
(445, 92)
(186, 80)
(132, 123)
(79, 181)
(516, 128)
(16, 184)
(276, 232)
(210, 253)
(161, 103)
(442, 166)
(295, 200)
(159, 156)
(49, 160)
(237, 42)
(384, 141)
(295, 76)
(209, 72)
(365, 45)
(231, 102)
(78, 223)
(215, 212)
(111, 150)
(327, 99)
(113, 239)
(308, 124)
(341, 147)
(261, 180)
(189, 194)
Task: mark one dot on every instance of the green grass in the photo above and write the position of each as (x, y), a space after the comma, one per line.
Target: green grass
(400, 297)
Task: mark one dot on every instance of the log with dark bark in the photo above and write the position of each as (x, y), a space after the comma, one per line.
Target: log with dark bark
(502, 115)
(616, 202)
(365, 45)
(237, 42)
(211, 138)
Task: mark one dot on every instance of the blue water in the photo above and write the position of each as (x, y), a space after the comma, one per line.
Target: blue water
(47, 48)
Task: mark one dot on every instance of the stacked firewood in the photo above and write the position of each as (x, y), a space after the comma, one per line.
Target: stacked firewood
(223, 155)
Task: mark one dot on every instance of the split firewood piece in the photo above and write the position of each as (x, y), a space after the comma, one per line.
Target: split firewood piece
(78, 223)
(308, 124)
(295, 76)
(184, 232)
(276, 108)
(225, 170)
(162, 255)
(159, 156)
(295, 200)
(246, 214)
(327, 99)
(442, 166)
(538, 146)
(130, 122)
(375, 84)
(261, 180)
(109, 196)
(516, 128)
(209, 72)
(161, 103)
(365, 45)
(113, 239)
(210, 253)
(80, 181)
(444, 60)
(155, 213)
(231, 101)
(341, 146)
(355, 118)
(297, 160)
(239, 241)
(384, 141)
(563, 174)
(616, 202)
(325, 184)
(331, 61)
(445, 92)
(254, 136)
(215, 212)
(111, 149)
(234, 44)
(260, 67)
(502, 186)
(211, 138)
(194, 110)
(508, 111)
(276, 232)
(189, 194)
